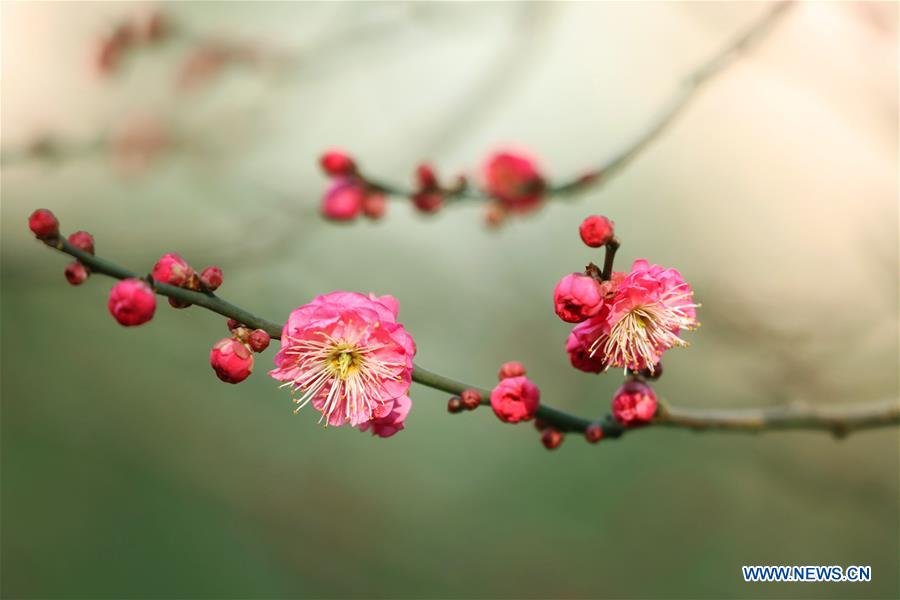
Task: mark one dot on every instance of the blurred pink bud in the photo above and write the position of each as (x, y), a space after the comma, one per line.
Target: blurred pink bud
(233, 324)
(132, 302)
(337, 163)
(43, 224)
(593, 433)
(211, 278)
(83, 241)
(343, 200)
(470, 399)
(577, 297)
(258, 340)
(515, 180)
(454, 405)
(374, 205)
(515, 399)
(231, 360)
(172, 269)
(634, 403)
(428, 202)
(596, 231)
(426, 179)
(551, 438)
(76, 273)
(512, 368)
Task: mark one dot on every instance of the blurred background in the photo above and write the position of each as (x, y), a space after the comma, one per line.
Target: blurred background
(129, 470)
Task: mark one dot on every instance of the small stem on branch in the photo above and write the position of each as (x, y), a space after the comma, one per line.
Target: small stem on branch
(609, 258)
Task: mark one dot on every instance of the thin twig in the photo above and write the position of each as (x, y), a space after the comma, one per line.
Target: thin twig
(839, 420)
(675, 105)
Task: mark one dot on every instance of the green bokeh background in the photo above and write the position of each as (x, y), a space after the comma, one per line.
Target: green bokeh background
(129, 470)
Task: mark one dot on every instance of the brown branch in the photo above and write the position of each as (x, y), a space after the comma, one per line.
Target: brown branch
(839, 420)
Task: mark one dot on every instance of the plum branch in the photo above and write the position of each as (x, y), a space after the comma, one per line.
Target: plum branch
(839, 420)
(725, 56)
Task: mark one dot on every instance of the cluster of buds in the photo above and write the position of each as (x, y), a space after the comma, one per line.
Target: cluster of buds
(174, 270)
(511, 181)
(232, 357)
(126, 37)
(45, 226)
(349, 194)
(468, 400)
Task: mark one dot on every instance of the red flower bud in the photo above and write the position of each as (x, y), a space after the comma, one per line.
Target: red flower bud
(515, 399)
(211, 278)
(512, 368)
(577, 297)
(76, 273)
(551, 438)
(132, 302)
(428, 202)
(231, 360)
(172, 269)
(593, 433)
(374, 205)
(470, 399)
(514, 179)
(83, 241)
(454, 405)
(634, 403)
(43, 224)
(233, 324)
(343, 200)
(596, 231)
(426, 178)
(337, 163)
(258, 340)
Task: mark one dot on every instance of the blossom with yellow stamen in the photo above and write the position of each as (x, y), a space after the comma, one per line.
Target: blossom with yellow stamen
(645, 317)
(345, 354)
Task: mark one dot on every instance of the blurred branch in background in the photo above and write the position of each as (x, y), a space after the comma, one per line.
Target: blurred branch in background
(838, 420)
(138, 142)
(680, 100)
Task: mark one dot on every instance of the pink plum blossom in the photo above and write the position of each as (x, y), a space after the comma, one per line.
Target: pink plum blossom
(346, 354)
(391, 423)
(650, 307)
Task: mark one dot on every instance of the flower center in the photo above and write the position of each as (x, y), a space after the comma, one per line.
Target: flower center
(346, 376)
(638, 338)
(344, 361)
